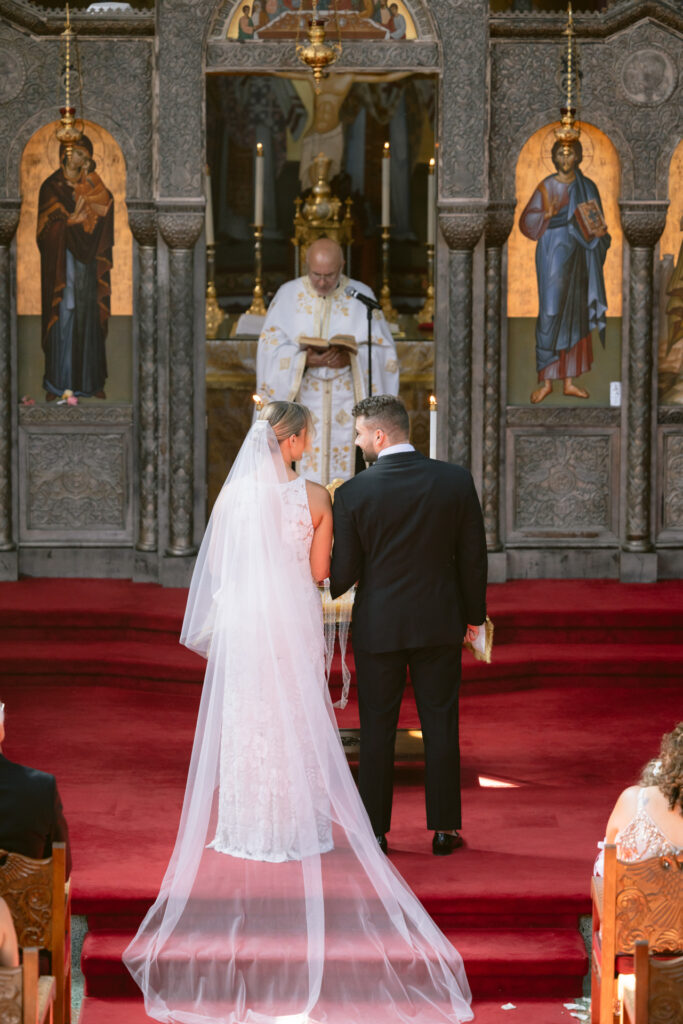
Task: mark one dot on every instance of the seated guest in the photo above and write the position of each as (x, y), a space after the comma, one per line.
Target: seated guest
(647, 820)
(31, 815)
(9, 948)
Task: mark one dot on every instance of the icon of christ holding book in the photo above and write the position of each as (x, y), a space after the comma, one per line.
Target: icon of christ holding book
(313, 349)
(564, 215)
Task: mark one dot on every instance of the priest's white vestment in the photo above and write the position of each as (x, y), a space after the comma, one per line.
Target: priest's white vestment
(282, 375)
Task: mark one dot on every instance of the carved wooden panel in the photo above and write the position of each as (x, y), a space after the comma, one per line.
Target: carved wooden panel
(26, 886)
(665, 1002)
(650, 904)
(76, 481)
(11, 998)
(670, 502)
(562, 485)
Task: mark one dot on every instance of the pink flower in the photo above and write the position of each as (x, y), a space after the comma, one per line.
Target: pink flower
(27, 400)
(72, 400)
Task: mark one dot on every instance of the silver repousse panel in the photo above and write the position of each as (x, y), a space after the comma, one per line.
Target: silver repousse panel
(671, 505)
(562, 486)
(75, 483)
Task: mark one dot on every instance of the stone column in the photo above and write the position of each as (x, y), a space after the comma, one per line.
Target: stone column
(143, 224)
(462, 180)
(499, 220)
(9, 219)
(180, 231)
(461, 225)
(643, 223)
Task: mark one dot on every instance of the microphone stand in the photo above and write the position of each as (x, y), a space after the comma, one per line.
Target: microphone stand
(370, 306)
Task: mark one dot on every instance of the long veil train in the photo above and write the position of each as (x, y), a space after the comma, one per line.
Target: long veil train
(278, 905)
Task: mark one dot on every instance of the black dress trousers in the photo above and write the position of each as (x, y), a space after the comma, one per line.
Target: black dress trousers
(435, 676)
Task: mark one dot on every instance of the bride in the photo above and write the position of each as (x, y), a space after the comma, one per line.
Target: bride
(278, 907)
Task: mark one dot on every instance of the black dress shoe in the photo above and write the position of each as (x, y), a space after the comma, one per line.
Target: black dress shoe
(382, 841)
(444, 843)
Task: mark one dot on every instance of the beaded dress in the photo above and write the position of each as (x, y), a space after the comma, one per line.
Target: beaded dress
(642, 837)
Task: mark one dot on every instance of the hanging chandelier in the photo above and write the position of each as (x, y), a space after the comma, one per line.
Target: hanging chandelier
(568, 130)
(68, 132)
(318, 54)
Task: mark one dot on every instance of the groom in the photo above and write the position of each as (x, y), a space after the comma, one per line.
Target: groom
(411, 532)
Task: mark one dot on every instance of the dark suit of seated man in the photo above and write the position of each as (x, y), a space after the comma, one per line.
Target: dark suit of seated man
(31, 814)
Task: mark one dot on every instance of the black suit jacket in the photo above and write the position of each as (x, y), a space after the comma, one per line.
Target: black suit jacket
(31, 814)
(411, 532)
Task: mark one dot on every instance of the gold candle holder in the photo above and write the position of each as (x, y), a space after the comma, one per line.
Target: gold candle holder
(257, 307)
(385, 294)
(426, 314)
(214, 315)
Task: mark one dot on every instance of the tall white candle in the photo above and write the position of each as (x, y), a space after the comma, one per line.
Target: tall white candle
(208, 210)
(432, 426)
(386, 186)
(258, 187)
(431, 203)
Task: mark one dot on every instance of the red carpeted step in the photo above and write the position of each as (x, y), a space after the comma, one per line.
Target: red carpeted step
(498, 961)
(524, 611)
(512, 663)
(112, 659)
(527, 1011)
(586, 611)
(64, 604)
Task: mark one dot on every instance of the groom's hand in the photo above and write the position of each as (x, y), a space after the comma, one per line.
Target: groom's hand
(472, 634)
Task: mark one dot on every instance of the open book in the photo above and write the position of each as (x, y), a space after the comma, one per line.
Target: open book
(345, 341)
(483, 645)
(590, 219)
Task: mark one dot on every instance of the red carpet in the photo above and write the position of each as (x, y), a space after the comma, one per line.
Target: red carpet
(586, 677)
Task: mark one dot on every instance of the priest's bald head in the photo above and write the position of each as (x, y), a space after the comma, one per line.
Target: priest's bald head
(324, 264)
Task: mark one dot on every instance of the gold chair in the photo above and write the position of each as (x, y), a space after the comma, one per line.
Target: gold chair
(26, 998)
(635, 901)
(656, 995)
(39, 898)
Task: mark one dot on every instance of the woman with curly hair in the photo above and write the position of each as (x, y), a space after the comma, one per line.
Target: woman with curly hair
(647, 820)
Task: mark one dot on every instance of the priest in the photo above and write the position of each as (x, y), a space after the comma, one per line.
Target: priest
(294, 362)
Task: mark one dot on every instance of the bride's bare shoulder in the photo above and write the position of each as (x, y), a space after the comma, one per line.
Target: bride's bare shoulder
(318, 496)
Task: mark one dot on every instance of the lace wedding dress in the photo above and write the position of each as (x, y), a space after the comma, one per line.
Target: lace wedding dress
(257, 816)
(278, 906)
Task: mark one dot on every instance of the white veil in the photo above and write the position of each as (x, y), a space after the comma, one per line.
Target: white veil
(278, 906)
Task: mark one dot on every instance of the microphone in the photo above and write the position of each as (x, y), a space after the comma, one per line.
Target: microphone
(353, 293)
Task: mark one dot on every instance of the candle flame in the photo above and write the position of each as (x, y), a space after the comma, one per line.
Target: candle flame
(432, 165)
(386, 148)
(432, 403)
(258, 401)
(259, 149)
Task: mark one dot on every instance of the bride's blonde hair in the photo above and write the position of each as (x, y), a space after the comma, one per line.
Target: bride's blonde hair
(287, 418)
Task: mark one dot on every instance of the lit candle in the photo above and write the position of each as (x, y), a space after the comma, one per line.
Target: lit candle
(208, 210)
(431, 203)
(258, 187)
(386, 186)
(258, 402)
(432, 426)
